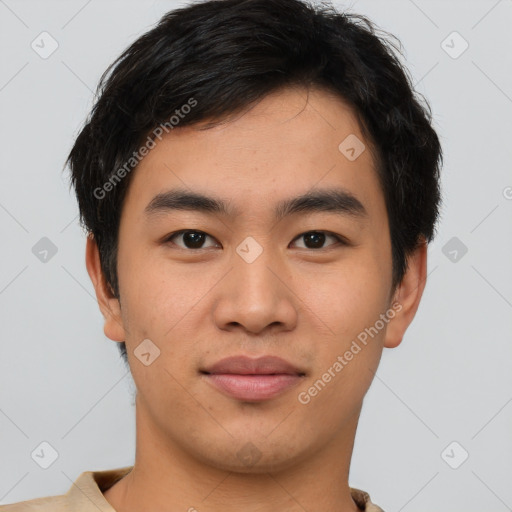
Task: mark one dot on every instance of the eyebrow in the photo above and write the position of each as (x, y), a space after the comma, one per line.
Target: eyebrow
(335, 200)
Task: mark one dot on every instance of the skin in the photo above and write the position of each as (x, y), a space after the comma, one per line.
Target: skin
(295, 301)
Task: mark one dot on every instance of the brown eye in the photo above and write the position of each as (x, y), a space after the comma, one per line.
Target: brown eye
(316, 239)
(190, 239)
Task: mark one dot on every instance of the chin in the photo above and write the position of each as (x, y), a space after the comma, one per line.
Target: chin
(251, 456)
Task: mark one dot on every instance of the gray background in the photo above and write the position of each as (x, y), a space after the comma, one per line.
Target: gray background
(61, 379)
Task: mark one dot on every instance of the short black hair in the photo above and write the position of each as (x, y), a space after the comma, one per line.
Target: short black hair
(220, 57)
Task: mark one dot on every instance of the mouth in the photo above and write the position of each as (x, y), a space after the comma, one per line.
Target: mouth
(253, 380)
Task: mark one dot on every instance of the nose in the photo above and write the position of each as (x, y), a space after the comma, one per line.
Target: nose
(256, 295)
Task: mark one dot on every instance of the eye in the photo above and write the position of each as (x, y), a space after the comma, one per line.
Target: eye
(191, 238)
(316, 239)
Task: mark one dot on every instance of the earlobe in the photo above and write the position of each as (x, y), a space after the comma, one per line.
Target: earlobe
(107, 302)
(407, 296)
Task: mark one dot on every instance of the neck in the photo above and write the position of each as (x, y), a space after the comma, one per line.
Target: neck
(165, 478)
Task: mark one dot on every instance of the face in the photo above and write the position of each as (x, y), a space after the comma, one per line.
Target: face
(253, 274)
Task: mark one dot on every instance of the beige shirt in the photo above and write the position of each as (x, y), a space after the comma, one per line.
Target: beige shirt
(86, 495)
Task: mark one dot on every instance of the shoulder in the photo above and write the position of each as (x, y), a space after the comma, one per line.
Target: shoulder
(85, 495)
(47, 504)
(363, 501)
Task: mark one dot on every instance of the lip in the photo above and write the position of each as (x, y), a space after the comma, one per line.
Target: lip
(244, 378)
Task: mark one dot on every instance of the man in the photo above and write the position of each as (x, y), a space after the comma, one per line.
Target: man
(259, 183)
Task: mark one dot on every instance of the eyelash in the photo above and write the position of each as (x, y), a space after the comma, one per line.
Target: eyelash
(340, 240)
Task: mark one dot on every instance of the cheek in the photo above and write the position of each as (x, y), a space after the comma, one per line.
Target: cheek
(156, 305)
(348, 298)
(350, 302)
(157, 293)
(164, 302)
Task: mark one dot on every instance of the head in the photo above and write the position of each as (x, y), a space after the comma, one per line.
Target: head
(294, 123)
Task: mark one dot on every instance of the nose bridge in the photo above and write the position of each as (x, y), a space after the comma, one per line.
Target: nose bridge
(253, 296)
(252, 260)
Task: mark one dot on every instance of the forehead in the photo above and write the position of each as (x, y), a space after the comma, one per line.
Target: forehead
(287, 144)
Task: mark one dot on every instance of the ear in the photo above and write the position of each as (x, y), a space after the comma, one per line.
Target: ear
(408, 295)
(108, 303)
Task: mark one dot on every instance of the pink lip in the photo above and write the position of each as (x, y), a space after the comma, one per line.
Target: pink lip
(249, 379)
